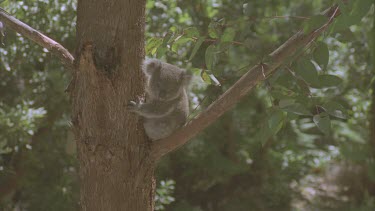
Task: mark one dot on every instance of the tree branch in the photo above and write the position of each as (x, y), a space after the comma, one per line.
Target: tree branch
(39, 38)
(243, 86)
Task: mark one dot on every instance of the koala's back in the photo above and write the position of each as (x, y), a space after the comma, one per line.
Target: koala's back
(158, 128)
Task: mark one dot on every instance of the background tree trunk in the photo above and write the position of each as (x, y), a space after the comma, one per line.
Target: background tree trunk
(115, 170)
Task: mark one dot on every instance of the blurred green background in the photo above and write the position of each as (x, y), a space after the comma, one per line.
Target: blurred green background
(302, 140)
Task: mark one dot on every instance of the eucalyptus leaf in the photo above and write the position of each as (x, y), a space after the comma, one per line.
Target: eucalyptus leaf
(345, 36)
(205, 77)
(360, 9)
(179, 42)
(153, 44)
(276, 121)
(296, 108)
(307, 70)
(335, 109)
(329, 81)
(214, 30)
(191, 32)
(228, 35)
(210, 56)
(321, 55)
(197, 45)
(323, 122)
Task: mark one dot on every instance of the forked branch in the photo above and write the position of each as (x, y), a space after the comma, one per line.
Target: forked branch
(242, 87)
(57, 49)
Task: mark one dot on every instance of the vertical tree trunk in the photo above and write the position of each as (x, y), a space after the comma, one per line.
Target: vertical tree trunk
(116, 171)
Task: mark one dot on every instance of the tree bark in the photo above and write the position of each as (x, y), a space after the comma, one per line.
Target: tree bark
(116, 171)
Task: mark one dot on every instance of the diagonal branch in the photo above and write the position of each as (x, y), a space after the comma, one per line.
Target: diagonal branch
(56, 48)
(243, 86)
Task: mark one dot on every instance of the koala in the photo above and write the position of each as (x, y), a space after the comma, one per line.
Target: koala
(167, 105)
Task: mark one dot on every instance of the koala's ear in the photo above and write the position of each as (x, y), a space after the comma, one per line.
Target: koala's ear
(186, 77)
(149, 66)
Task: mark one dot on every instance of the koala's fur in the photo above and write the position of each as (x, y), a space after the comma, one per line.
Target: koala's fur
(167, 104)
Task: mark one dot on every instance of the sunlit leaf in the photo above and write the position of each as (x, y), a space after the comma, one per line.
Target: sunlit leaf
(153, 44)
(205, 77)
(173, 29)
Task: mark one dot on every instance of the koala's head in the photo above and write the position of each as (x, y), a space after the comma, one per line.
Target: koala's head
(165, 81)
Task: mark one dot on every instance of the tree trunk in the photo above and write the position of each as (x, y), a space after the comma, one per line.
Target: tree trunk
(116, 170)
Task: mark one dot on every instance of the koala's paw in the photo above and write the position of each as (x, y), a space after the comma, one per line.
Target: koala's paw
(132, 106)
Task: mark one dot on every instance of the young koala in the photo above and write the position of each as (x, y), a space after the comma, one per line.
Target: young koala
(167, 105)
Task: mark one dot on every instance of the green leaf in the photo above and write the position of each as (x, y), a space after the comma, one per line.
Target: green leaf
(345, 36)
(360, 9)
(173, 29)
(210, 56)
(167, 38)
(153, 44)
(180, 41)
(191, 32)
(321, 55)
(263, 133)
(315, 22)
(323, 122)
(352, 13)
(196, 47)
(343, 22)
(307, 70)
(286, 102)
(329, 81)
(228, 35)
(335, 109)
(205, 77)
(296, 108)
(214, 30)
(304, 87)
(345, 7)
(276, 121)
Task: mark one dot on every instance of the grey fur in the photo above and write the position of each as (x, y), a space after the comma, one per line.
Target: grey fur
(167, 106)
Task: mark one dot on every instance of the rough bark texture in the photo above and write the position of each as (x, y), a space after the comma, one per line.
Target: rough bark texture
(116, 171)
